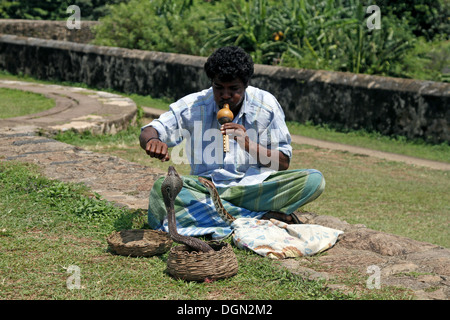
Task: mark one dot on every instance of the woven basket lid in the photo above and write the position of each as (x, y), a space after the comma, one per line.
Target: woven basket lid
(139, 242)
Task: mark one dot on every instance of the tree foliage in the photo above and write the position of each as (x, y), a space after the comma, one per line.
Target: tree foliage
(427, 18)
(159, 25)
(317, 34)
(53, 9)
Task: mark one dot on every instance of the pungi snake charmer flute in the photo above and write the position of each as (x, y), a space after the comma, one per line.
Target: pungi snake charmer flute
(224, 116)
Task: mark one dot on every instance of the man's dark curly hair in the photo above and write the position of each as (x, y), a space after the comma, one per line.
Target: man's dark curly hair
(229, 63)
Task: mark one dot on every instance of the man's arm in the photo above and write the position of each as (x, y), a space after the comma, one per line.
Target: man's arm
(155, 148)
(265, 157)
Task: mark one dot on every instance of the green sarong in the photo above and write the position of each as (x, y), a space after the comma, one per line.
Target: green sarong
(282, 191)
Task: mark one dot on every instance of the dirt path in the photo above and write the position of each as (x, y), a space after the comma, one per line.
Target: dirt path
(372, 153)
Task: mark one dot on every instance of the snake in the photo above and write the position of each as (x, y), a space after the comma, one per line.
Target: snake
(170, 188)
(223, 213)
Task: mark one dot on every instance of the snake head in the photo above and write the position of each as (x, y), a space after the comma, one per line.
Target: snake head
(172, 172)
(171, 186)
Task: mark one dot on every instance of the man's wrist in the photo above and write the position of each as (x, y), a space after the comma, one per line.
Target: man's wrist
(152, 138)
(146, 135)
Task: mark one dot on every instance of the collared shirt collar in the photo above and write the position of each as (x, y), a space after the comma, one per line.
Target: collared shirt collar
(244, 108)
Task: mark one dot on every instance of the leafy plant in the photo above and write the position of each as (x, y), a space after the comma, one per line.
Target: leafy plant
(325, 34)
(374, 51)
(433, 57)
(316, 30)
(53, 9)
(426, 18)
(247, 26)
(94, 208)
(313, 34)
(169, 26)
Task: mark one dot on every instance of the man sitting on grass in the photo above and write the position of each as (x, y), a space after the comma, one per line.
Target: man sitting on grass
(252, 177)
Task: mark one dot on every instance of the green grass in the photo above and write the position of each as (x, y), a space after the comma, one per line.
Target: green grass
(47, 226)
(15, 103)
(148, 101)
(375, 141)
(387, 196)
(384, 195)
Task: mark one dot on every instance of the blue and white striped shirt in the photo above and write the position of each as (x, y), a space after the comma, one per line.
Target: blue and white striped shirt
(194, 120)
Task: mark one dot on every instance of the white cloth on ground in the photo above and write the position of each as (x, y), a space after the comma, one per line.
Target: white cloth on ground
(279, 240)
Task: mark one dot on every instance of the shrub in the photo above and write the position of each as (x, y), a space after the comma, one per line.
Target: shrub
(53, 9)
(160, 25)
(428, 60)
(314, 34)
(324, 34)
(427, 18)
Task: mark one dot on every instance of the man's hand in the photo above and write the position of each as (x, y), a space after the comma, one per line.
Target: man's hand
(265, 157)
(154, 147)
(236, 131)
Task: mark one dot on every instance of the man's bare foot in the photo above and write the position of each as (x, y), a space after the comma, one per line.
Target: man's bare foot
(278, 216)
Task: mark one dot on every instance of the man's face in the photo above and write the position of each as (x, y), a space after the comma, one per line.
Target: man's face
(231, 92)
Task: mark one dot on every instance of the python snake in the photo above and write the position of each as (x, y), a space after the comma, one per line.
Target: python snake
(228, 218)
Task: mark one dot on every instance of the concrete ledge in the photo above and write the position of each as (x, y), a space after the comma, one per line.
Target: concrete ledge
(76, 109)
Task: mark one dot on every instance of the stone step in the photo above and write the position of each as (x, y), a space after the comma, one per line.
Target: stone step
(76, 109)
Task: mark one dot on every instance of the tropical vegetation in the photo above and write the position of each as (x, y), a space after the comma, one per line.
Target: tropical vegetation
(53, 9)
(412, 41)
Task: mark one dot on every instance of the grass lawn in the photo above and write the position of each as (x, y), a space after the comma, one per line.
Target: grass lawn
(388, 196)
(375, 141)
(384, 195)
(15, 103)
(47, 226)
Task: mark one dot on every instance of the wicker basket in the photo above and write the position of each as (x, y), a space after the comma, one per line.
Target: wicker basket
(182, 263)
(139, 242)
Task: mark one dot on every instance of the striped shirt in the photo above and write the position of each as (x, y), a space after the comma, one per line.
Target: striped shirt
(193, 119)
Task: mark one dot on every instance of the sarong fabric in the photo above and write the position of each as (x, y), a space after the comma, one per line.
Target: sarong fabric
(196, 215)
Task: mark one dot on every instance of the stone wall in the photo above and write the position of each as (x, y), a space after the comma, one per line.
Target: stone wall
(389, 105)
(392, 106)
(54, 30)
